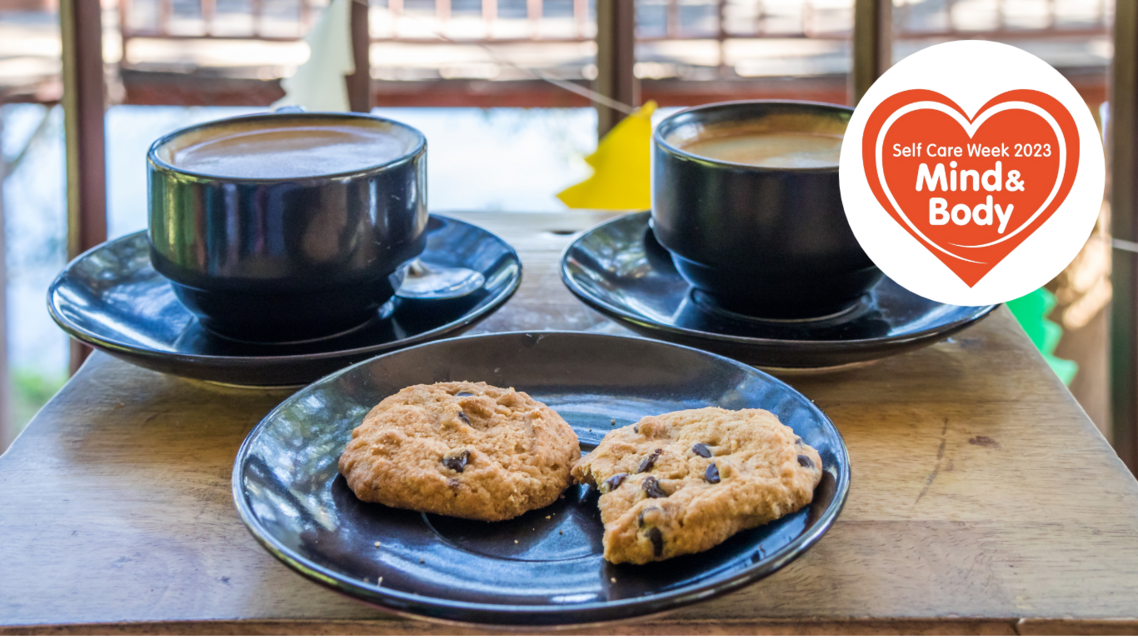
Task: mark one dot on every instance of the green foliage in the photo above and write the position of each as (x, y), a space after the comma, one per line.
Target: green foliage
(31, 389)
(1031, 312)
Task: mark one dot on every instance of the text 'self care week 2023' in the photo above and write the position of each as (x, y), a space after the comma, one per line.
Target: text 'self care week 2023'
(964, 190)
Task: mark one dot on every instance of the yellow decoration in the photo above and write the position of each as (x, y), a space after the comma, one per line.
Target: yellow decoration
(621, 167)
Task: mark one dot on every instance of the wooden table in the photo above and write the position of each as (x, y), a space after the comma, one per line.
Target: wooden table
(983, 500)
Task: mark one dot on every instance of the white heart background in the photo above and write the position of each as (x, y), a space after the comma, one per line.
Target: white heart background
(970, 73)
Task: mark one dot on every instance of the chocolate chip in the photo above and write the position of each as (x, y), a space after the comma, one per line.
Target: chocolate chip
(701, 450)
(657, 539)
(711, 474)
(456, 462)
(640, 520)
(462, 416)
(647, 463)
(463, 394)
(613, 482)
(636, 428)
(798, 441)
(652, 487)
(805, 461)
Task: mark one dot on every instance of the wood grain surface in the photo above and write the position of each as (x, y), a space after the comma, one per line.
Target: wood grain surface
(983, 500)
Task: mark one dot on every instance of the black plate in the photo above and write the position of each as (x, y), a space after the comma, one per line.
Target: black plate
(530, 570)
(112, 299)
(619, 269)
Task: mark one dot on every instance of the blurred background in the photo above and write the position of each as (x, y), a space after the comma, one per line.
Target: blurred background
(469, 74)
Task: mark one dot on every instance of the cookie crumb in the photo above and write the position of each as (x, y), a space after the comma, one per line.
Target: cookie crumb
(422, 561)
(515, 541)
(613, 422)
(379, 581)
(377, 543)
(613, 580)
(560, 532)
(548, 517)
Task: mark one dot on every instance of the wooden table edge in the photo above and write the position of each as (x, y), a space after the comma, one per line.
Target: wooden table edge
(750, 626)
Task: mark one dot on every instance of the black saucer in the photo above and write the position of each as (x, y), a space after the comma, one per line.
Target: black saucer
(112, 299)
(544, 567)
(619, 269)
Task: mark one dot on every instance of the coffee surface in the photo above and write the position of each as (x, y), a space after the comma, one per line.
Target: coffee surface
(783, 150)
(279, 152)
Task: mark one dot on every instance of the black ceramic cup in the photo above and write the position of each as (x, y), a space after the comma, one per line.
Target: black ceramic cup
(288, 257)
(768, 242)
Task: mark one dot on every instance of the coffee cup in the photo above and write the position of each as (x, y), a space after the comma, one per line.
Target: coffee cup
(745, 197)
(284, 227)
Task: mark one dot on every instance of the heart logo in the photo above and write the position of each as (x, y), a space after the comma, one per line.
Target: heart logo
(970, 190)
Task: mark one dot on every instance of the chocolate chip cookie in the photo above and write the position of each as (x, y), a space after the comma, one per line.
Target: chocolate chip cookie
(463, 449)
(683, 482)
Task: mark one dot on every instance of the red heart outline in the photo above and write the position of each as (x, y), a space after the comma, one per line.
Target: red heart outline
(971, 263)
